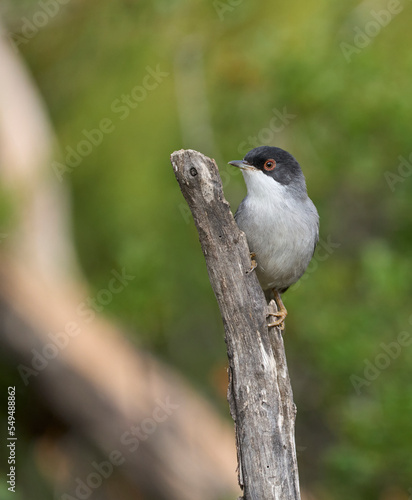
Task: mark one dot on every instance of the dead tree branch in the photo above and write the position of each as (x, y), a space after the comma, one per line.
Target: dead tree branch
(259, 393)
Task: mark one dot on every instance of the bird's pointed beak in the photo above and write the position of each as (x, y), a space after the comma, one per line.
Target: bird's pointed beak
(244, 165)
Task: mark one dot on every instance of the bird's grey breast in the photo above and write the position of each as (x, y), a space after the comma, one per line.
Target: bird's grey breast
(282, 230)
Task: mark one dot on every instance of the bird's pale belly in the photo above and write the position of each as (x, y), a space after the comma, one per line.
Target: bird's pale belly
(283, 251)
(280, 274)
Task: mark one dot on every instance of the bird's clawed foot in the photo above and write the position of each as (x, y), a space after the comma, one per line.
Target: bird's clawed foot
(253, 262)
(280, 314)
(279, 322)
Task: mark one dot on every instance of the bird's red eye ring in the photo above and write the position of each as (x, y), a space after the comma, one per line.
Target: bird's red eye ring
(269, 165)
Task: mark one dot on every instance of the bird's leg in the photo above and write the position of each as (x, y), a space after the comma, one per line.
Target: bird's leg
(253, 262)
(281, 314)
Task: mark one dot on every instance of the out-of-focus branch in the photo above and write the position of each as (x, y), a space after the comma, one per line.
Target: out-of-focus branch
(173, 444)
(42, 234)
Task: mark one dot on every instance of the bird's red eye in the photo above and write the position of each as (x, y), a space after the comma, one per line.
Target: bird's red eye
(269, 165)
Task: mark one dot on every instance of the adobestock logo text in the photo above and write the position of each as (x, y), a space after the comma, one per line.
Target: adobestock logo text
(121, 107)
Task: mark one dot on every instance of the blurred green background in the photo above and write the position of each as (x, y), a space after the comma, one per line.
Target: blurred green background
(228, 70)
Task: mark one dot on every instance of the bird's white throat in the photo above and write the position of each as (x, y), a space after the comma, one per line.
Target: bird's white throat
(264, 188)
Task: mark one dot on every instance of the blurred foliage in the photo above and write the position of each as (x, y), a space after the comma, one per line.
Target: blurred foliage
(351, 123)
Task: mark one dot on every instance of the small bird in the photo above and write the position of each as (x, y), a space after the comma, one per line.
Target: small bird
(279, 219)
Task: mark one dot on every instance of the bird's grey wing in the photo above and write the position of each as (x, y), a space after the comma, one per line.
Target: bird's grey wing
(239, 210)
(316, 239)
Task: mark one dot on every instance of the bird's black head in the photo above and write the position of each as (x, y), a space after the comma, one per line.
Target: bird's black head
(276, 163)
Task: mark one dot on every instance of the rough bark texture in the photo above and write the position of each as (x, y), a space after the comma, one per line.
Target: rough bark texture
(259, 393)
